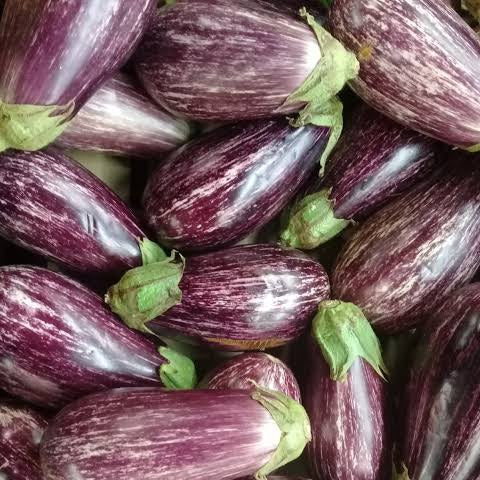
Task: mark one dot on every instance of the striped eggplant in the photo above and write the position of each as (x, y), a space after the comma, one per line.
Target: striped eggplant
(247, 369)
(420, 64)
(59, 342)
(229, 182)
(21, 429)
(120, 119)
(152, 434)
(442, 425)
(54, 56)
(410, 254)
(53, 206)
(249, 297)
(374, 160)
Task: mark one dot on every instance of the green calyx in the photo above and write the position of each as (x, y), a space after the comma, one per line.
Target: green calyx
(146, 292)
(473, 148)
(402, 474)
(179, 372)
(151, 252)
(343, 334)
(32, 127)
(293, 422)
(472, 7)
(312, 222)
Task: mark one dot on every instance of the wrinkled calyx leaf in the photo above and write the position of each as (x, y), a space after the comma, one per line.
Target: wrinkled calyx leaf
(343, 334)
(472, 7)
(402, 474)
(151, 252)
(179, 372)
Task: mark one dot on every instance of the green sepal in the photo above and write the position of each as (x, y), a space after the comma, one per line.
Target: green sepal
(312, 222)
(472, 7)
(32, 127)
(294, 425)
(179, 372)
(144, 293)
(151, 252)
(402, 474)
(343, 334)
(472, 149)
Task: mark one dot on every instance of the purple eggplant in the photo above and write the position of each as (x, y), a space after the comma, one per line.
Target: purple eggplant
(442, 428)
(374, 161)
(249, 297)
(420, 64)
(21, 429)
(59, 342)
(54, 56)
(406, 257)
(248, 369)
(120, 119)
(227, 183)
(151, 434)
(53, 206)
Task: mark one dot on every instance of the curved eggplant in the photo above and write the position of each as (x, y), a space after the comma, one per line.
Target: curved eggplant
(59, 342)
(227, 183)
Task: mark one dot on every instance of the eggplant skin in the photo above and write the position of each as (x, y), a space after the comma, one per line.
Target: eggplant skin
(442, 425)
(414, 251)
(53, 206)
(401, 45)
(226, 184)
(249, 297)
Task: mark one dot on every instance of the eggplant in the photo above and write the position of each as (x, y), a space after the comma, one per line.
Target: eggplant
(51, 205)
(182, 434)
(217, 60)
(55, 55)
(21, 429)
(374, 161)
(420, 64)
(229, 182)
(59, 342)
(121, 120)
(442, 423)
(255, 368)
(414, 251)
(249, 297)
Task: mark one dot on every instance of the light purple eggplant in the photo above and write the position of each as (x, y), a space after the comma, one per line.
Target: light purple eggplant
(249, 297)
(121, 120)
(21, 429)
(59, 342)
(414, 251)
(374, 161)
(420, 64)
(442, 425)
(53, 206)
(55, 55)
(157, 435)
(255, 368)
(227, 183)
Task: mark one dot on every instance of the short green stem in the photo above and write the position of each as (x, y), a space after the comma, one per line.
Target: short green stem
(151, 252)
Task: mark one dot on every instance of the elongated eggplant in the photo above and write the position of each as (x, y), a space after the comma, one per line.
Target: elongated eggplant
(248, 369)
(53, 206)
(189, 435)
(375, 160)
(227, 183)
(21, 429)
(421, 246)
(249, 297)
(420, 64)
(54, 56)
(120, 119)
(59, 342)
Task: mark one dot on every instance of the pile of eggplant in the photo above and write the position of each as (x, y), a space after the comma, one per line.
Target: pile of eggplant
(239, 240)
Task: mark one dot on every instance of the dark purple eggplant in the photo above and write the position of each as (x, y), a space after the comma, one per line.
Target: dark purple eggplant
(120, 119)
(255, 368)
(250, 297)
(414, 251)
(21, 429)
(189, 435)
(54, 56)
(218, 60)
(374, 161)
(53, 206)
(420, 64)
(229, 182)
(59, 342)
